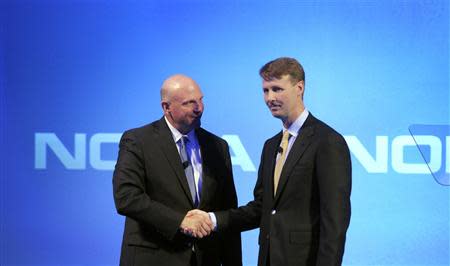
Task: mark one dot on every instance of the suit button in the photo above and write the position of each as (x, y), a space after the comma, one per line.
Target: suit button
(189, 244)
(267, 236)
(273, 212)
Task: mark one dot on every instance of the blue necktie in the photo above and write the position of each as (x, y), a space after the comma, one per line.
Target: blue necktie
(188, 169)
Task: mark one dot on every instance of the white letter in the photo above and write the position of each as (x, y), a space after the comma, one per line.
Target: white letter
(42, 140)
(241, 156)
(95, 151)
(400, 166)
(377, 165)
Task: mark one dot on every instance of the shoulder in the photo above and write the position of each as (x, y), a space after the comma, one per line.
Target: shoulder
(326, 134)
(207, 136)
(144, 131)
(274, 139)
(271, 143)
(324, 128)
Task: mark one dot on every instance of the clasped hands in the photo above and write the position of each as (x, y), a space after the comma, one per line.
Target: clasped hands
(197, 223)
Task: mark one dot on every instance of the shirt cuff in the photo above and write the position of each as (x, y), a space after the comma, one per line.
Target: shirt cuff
(212, 216)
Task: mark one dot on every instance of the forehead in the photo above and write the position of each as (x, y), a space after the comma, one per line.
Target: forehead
(283, 81)
(187, 93)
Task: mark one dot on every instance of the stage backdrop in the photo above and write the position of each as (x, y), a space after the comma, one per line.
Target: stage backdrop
(76, 74)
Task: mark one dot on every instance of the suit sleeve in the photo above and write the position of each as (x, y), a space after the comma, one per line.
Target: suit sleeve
(130, 195)
(334, 180)
(245, 217)
(231, 254)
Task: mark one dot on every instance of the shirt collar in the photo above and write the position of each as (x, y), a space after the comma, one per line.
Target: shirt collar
(177, 134)
(294, 129)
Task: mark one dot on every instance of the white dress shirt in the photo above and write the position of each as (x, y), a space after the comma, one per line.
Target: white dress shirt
(294, 130)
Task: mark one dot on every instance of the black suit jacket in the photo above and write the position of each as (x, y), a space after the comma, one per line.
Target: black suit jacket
(151, 190)
(306, 222)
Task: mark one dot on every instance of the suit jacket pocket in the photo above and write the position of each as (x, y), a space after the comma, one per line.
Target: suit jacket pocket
(304, 164)
(136, 241)
(303, 168)
(302, 237)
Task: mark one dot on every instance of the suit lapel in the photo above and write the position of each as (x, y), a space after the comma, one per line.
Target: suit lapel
(207, 179)
(272, 150)
(301, 143)
(168, 146)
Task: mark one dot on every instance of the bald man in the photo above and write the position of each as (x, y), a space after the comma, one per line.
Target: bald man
(167, 168)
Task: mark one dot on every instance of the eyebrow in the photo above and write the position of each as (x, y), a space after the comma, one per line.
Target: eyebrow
(193, 100)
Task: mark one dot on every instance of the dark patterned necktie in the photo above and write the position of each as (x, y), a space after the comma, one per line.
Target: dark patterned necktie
(188, 169)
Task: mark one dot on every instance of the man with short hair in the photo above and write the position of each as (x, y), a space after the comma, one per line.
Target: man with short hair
(302, 195)
(167, 168)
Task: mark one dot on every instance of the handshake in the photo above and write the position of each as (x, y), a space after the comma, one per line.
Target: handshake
(197, 223)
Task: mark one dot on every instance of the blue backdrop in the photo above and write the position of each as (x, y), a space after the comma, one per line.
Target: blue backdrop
(75, 74)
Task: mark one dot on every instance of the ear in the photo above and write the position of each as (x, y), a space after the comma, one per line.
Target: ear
(301, 87)
(165, 106)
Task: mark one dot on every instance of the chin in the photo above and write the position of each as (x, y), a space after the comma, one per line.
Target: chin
(277, 115)
(197, 124)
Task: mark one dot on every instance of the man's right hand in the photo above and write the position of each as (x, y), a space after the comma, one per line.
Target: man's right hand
(197, 223)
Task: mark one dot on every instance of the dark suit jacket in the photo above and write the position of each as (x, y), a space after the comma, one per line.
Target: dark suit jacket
(151, 190)
(306, 222)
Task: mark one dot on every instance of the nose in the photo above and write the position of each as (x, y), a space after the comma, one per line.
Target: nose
(270, 96)
(198, 107)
